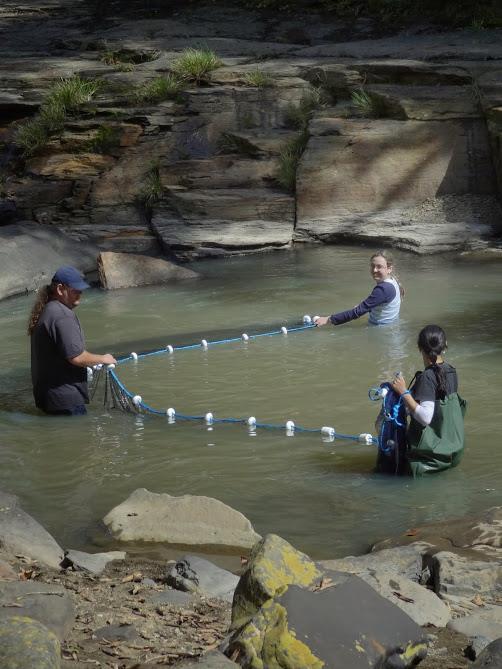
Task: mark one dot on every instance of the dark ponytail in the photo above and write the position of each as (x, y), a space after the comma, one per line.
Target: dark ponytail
(432, 342)
(44, 294)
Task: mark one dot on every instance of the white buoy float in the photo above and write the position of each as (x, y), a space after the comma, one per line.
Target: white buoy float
(204, 344)
(307, 320)
(328, 431)
(169, 348)
(171, 415)
(284, 330)
(134, 356)
(251, 421)
(97, 367)
(209, 418)
(245, 337)
(315, 318)
(90, 374)
(290, 428)
(110, 366)
(366, 438)
(136, 400)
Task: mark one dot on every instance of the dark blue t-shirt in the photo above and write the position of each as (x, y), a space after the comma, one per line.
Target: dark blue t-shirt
(57, 337)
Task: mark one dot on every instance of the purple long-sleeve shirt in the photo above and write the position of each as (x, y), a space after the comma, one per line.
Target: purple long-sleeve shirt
(381, 294)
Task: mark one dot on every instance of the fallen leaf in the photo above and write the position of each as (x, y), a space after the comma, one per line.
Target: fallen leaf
(403, 597)
(478, 600)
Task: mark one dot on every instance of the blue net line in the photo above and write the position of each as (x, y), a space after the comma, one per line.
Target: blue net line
(113, 376)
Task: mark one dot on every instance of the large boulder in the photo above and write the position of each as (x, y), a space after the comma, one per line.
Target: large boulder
(126, 270)
(348, 625)
(188, 520)
(50, 604)
(491, 657)
(27, 643)
(21, 534)
(31, 253)
(273, 565)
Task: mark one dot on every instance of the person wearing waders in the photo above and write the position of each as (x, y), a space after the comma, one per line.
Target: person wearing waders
(59, 359)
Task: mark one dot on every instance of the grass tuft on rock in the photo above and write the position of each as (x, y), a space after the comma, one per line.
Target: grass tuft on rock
(298, 116)
(65, 97)
(159, 89)
(258, 79)
(367, 105)
(196, 65)
(152, 189)
(289, 158)
(106, 139)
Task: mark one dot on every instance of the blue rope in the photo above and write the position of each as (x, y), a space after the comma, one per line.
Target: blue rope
(112, 375)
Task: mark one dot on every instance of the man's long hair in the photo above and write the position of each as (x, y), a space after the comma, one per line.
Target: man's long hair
(44, 294)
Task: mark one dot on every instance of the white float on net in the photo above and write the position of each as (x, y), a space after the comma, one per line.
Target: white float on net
(209, 418)
(171, 415)
(290, 428)
(245, 337)
(284, 330)
(307, 319)
(110, 366)
(169, 348)
(204, 344)
(366, 438)
(134, 356)
(136, 400)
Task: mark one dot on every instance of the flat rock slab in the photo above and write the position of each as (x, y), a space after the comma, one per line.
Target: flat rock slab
(117, 633)
(127, 270)
(21, 534)
(94, 563)
(51, 605)
(486, 622)
(31, 253)
(188, 520)
(171, 598)
(402, 560)
(28, 644)
(194, 574)
(349, 625)
(422, 605)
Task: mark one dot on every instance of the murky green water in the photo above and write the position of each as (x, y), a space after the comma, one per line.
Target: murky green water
(320, 496)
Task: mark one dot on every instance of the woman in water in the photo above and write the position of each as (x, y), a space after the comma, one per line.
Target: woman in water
(435, 435)
(384, 301)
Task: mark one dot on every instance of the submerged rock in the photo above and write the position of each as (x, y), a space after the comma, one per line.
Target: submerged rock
(188, 520)
(126, 270)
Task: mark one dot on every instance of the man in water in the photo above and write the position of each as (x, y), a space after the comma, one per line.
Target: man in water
(59, 360)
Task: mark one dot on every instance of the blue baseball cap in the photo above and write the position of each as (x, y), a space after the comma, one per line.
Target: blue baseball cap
(70, 277)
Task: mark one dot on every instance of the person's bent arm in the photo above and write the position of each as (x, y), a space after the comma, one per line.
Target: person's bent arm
(381, 293)
(86, 359)
(422, 412)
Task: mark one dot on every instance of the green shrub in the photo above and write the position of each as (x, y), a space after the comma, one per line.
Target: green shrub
(153, 189)
(196, 65)
(289, 158)
(258, 79)
(161, 88)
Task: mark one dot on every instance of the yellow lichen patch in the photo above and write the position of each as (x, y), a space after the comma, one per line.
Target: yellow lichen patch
(273, 566)
(267, 643)
(412, 650)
